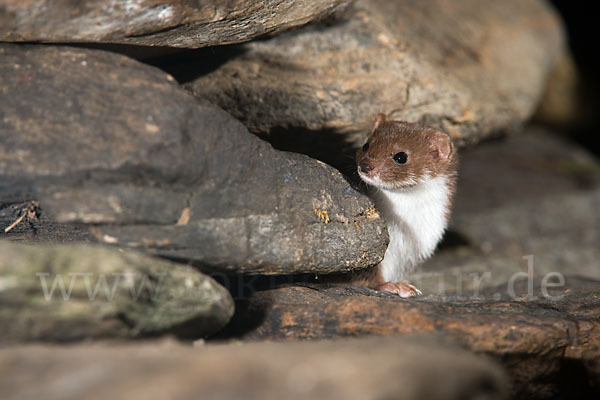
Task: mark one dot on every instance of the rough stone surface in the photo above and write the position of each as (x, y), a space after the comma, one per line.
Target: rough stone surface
(15, 216)
(105, 141)
(550, 345)
(189, 24)
(394, 368)
(74, 292)
(469, 67)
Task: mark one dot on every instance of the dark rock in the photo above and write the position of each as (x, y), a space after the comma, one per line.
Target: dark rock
(470, 67)
(538, 340)
(74, 292)
(152, 23)
(103, 140)
(393, 368)
(15, 218)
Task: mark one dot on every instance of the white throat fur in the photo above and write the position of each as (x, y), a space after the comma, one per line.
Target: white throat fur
(416, 219)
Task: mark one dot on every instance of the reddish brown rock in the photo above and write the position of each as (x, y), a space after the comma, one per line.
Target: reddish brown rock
(539, 340)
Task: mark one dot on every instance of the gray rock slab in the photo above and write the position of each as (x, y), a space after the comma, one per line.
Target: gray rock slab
(528, 205)
(188, 24)
(63, 293)
(104, 141)
(472, 68)
(376, 368)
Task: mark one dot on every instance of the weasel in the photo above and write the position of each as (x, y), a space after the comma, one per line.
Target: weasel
(412, 171)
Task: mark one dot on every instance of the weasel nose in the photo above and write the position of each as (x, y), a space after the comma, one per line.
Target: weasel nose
(365, 167)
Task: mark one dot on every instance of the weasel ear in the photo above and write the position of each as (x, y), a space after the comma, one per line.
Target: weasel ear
(381, 118)
(442, 145)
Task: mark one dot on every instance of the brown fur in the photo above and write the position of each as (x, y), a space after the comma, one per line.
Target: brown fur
(429, 152)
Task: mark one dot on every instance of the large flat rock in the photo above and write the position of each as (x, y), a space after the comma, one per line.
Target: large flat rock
(189, 24)
(66, 293)
(471, 68)
(106, 142)
(398, 368)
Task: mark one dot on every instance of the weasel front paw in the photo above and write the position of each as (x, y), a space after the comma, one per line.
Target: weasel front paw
(402, 289)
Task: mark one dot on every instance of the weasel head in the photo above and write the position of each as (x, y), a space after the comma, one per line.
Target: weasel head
(400, 155)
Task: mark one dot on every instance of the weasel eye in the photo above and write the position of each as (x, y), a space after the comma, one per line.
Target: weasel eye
(400, 158)
(365, 147)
